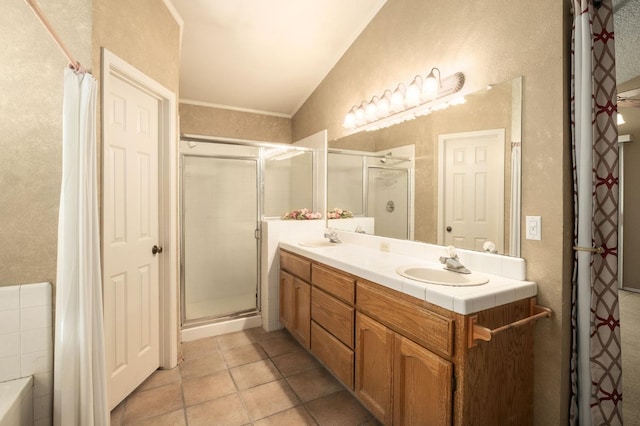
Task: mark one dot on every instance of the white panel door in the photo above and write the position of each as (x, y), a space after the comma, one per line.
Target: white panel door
(130, 230)
(473, 189)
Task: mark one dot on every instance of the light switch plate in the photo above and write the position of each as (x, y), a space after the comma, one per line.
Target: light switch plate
(534, 228)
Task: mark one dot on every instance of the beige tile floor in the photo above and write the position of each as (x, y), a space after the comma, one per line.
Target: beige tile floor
(245, 378)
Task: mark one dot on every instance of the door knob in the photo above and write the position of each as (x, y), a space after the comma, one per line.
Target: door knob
(449, 229)
(155, 250)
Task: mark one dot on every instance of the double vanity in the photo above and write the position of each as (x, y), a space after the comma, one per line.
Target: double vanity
(414, 352)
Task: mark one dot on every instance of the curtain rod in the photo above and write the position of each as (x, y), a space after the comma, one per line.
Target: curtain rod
(43, 20)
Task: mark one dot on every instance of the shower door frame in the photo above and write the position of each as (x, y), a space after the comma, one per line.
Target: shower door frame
(184, 323)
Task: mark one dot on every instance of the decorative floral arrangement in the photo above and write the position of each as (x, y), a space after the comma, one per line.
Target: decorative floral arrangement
(302, 214)
(337, 213)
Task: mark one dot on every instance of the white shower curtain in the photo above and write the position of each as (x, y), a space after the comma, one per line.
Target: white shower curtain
(79, 366)
(583, 159)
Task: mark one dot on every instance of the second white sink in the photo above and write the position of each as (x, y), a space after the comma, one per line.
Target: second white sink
(441, 276)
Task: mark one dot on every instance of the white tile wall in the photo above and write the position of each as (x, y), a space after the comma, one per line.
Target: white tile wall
(26, 341)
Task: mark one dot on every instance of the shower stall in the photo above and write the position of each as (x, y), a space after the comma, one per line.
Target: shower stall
(227, 189)
(387, 199)
(374, 185)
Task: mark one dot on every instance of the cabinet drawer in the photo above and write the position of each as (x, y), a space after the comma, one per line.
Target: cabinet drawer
(333, 315)
(337, 357)
(297, 265)
(340, 285)
(429, 329)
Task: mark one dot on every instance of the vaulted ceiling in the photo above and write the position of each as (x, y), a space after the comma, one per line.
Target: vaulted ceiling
(265, 56)
(269, 56)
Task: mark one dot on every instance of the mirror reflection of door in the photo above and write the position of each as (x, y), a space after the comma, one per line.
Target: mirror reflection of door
(471, 184)
(629, 207)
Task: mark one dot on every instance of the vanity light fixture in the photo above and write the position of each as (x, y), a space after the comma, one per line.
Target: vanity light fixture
(421, 97)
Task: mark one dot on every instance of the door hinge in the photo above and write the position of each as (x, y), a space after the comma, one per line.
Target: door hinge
(256, 233)
(454, 383)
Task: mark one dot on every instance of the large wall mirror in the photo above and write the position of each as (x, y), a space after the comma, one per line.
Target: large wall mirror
(451, 177)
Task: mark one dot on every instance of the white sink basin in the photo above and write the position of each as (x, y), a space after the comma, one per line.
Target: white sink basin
(441, 276)
(317, 243)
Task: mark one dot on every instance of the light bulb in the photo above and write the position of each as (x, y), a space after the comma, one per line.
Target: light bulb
(620, 119)
(372, 109)
(350, 119)
(413, 92)
(384, 104)
(360, 115)
(397, 99)
(430, 85)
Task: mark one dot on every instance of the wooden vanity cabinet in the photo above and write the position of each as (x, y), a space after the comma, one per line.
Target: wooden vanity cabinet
(295, 305)
(333, 321)
(399, 381)
(436, 378)
(408, 361)
(316, 306)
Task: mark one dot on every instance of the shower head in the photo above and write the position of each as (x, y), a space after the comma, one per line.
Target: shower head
(383, 160)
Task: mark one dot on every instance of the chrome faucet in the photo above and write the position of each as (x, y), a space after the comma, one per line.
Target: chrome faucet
(360, 230)
(331, 234)
(452, 262)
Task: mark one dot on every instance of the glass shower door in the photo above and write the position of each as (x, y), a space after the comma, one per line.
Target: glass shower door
(220, 250)
(388, 201)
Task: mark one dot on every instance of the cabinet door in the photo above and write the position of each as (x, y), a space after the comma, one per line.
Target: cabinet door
(301, 328)
(421, 385)
(286, 300)
(374, 362)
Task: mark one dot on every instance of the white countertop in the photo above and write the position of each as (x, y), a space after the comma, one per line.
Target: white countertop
(380, 267)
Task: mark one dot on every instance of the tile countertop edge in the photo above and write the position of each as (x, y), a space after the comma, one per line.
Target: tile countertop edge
(379, 267)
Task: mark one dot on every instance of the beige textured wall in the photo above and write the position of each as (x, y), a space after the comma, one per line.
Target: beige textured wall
(31, 88)
(489, 43)
(201, 120)
(141, 32)
(31, 66)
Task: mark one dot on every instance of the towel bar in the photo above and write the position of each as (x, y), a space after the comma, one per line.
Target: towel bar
(478, 332)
